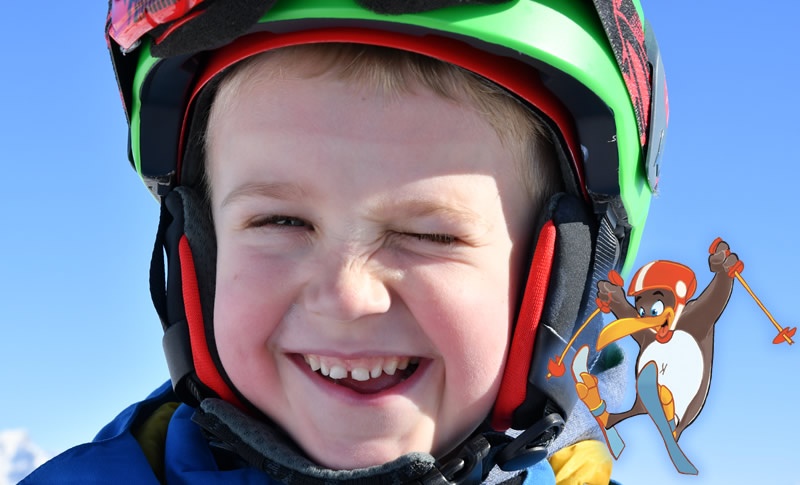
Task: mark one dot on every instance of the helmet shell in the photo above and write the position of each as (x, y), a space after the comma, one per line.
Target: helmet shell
(564, 41)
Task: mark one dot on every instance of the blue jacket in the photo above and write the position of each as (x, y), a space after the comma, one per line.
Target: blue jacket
(115, 455)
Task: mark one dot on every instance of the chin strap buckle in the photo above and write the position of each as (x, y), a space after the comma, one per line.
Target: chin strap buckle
(480, 453)
(463, 468)
(530, 447)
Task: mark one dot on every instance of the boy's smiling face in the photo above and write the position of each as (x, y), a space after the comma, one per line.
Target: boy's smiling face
(358, 232)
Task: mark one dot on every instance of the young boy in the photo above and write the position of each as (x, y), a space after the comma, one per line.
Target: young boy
(372, 246)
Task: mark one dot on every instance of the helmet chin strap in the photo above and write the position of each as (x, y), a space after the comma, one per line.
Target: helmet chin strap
(234, 435)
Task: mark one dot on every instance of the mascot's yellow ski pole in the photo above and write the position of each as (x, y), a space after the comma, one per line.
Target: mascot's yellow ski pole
(556, 367)
(784, 334)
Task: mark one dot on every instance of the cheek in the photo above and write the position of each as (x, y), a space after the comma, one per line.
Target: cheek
(468, 319)
(247, 309)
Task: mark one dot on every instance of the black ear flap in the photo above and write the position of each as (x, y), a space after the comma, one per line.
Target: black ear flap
(573, 251)
(183, 296)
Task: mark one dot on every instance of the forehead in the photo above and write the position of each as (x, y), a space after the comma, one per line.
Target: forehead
(301, 129)
(392, 72)
(387, 75)
(317, 117)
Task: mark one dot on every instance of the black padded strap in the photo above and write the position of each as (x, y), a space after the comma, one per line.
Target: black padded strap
(158, 283)
(165, 292)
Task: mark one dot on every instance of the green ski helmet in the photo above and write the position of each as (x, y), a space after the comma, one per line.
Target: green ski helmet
(590, 70)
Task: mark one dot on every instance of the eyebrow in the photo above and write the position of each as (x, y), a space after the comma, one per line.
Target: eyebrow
(277, 190)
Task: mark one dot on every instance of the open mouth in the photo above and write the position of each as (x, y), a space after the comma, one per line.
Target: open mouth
(365, 376)
(663, 333)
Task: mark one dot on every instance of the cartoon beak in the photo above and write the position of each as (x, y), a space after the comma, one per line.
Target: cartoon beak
(628, 326)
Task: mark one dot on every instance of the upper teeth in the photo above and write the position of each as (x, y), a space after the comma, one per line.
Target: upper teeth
(359, 369)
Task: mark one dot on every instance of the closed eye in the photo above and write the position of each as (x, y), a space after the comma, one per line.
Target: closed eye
(277, 220)
(445, 239)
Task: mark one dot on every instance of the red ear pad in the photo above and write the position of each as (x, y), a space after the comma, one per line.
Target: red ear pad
(204, 364)
(515, 379)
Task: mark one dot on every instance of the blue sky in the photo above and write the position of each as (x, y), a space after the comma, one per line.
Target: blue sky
(80, 339)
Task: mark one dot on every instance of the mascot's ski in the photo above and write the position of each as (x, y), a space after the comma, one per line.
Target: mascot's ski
(647, 388)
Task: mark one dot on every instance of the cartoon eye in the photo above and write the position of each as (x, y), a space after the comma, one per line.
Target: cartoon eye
(657, 308)
(641, 311)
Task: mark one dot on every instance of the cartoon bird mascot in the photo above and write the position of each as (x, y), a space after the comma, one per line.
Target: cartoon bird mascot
(676, 345)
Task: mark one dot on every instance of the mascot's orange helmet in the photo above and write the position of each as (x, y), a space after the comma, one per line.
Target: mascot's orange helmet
(675, 277)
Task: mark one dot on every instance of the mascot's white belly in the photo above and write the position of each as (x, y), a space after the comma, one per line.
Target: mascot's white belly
(680, 367)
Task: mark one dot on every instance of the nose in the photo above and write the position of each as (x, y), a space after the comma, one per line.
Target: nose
(345, 290)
